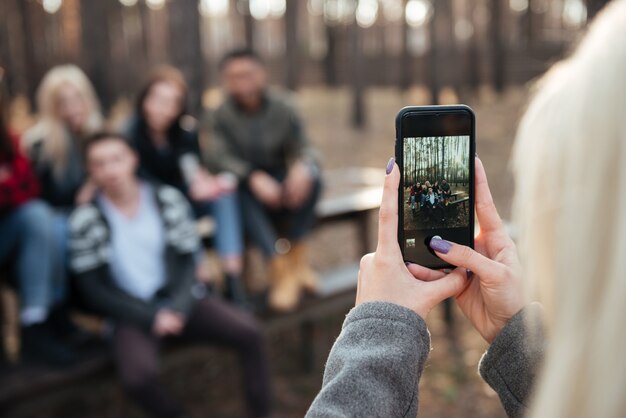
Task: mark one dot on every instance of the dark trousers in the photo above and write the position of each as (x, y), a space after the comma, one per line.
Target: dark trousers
(136, 354)
(265, 225)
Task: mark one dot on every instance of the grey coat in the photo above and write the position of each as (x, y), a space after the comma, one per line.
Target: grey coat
(375, 365)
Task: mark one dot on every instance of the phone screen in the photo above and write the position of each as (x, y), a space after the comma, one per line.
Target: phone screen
(436, 188)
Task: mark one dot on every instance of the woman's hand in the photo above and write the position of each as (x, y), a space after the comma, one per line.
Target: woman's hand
(383, 276)
(496, 291)
(298, 185)
(168, 322)
(265, 188)
(204, 187)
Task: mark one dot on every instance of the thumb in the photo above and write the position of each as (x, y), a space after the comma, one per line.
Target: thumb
(463, 256)
(449, 286)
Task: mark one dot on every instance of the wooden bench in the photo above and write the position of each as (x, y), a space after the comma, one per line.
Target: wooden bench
(458, 202)
(455, 195)
(351, 194)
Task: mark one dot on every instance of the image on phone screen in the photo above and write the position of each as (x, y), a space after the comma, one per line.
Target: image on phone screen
(436, 184)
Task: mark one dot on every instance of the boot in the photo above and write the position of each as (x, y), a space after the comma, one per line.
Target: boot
(40, 344)
(284, 294)
(299, 260)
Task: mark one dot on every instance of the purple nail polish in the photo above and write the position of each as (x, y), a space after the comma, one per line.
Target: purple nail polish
(469, 273)
(390, 164)
(440, 245)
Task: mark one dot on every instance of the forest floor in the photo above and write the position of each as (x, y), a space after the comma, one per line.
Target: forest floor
(450, 386)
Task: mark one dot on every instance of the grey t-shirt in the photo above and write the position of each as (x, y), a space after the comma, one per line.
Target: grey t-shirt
(137, 246)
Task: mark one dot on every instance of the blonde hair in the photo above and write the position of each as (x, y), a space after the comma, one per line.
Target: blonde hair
(50, 130)
(571, 143)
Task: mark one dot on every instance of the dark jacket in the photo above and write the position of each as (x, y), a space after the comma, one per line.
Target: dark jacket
(163, 164)
(59, 189)
(89, 261)
(268, 140)
(375, 365)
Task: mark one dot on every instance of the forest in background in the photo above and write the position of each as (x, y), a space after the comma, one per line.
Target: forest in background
(443, 45)
(436, 158)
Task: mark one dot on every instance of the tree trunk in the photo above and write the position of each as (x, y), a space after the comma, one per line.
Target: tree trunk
(292, 44)
(330, 60)
(433, 76)
(96, 48)
(32, 71)
(405, 55)
(248, 27)
(358, 107)
(497, 48)
(186, 48)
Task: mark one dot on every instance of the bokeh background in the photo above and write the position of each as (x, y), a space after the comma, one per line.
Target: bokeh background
(352, 64)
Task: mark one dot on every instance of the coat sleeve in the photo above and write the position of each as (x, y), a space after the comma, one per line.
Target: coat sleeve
(105, 299)
(183, 244)
(375, 365)
(511, 363)
(180, 297)
(299, 147)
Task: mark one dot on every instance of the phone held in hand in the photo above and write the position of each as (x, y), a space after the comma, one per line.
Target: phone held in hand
(435, 149)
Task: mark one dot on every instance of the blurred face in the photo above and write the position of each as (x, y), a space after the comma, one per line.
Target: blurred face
(111, 165)
(430, 191)
(71, 107)
(162, 105)
(244, 79)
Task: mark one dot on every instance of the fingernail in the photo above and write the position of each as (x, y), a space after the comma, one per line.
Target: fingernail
(469, 273)
(440, 245)
(390, 164)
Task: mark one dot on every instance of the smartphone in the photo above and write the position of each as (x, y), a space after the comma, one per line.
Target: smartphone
(435, 149)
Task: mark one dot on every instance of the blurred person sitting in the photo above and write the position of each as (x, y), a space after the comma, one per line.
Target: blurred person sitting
(431, 203)
(561, 359)
(68, 112)
(436, 188)
(132, 250)
(445, 191)
(169, 152)
(257, 134)
(415, 196)
(27, 250)
(423, 195)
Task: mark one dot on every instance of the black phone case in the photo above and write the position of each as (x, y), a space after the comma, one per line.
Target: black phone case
(399, 155)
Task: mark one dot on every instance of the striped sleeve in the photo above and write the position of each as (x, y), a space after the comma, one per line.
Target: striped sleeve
(87, 241)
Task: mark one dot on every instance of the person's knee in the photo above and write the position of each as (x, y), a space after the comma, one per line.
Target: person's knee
(36, 220)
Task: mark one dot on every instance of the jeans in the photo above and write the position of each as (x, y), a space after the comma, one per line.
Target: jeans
(60, 221)
(262, 223)
(27, 234)
(225, 211)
